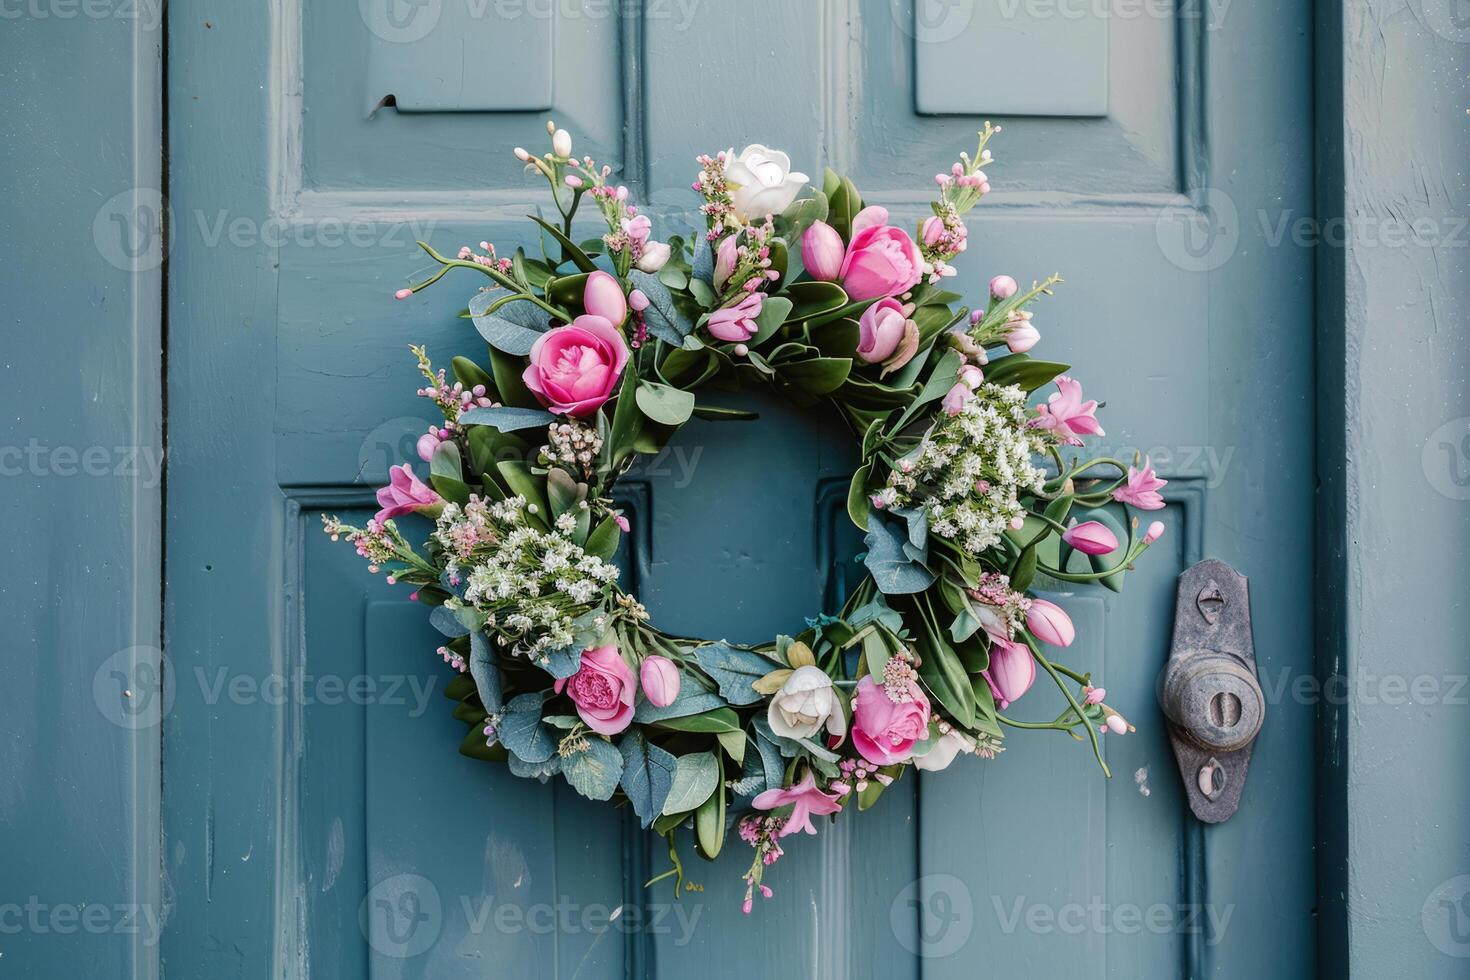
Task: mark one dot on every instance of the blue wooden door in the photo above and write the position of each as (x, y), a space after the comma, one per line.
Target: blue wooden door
(318, 819)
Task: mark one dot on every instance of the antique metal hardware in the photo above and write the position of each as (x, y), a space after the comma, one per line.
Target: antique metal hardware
(1210, 692)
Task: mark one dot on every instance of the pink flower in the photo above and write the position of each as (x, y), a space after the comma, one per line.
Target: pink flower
(1003, 287)
(1021, 336)
(932, 230)
(881, 260)
(1094, 695)
(1091, 538)
(602, 689)
(1154, 532)
(428, 442)
(955, 398)
(888, 336)
(822, 252)
(638, 229)
(1011, 671)
(725, 258)
(805, 799)
(884, 731)
(660, 680)
(574, 369)
(404, 494)
(736, 323)
(602, 296)
(1066, 414)
(1142, 488)
(1049, 623)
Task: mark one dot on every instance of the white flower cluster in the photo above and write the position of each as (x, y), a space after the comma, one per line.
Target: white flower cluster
(532, 583)
(971, 467)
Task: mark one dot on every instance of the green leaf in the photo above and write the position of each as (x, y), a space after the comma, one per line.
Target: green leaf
(843, 204)
(518, 476)
(734, 745)
(1022, 370)
(485, 673)
(470, 374)
(692, 700)
(508, 369)
(595, 771)
(734, 669)
(895, 569)
(648, 775)
(715, 721)
(812, 298)
(857, 496)
(446, 473)
(567, 291)
(774, 311)
(709, 824)
(715, 413)
(514, 327)
(838, 337)
(626, 421)
(475, 746)
(1023, 570)
(942, 672)
(817, 375)
(696, 776)
(665, 320)
(664, 404)
(563, 493)
(508, 419)
(603, 542)
(522, 732)
(570, 250)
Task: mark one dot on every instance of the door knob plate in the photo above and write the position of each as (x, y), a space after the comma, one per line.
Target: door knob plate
(1211, 693)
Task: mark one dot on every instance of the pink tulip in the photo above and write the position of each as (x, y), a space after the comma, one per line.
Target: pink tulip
(1067, 415)
(602, 689)
(932, 230)
(822, 251)
(1154, 532)
(404, 494)
(955, 398)
(1142, 488)
(881, 260)
(1091, 538)
(660, 680)
(1003, 287)
(428, 442)
(1011, 673)
(1022, 337)
(574, 369)
(888, 336)
(805, 800)
(736, 323)
(972, 376)
(602, 296)
(1050, 624)
(726, 257)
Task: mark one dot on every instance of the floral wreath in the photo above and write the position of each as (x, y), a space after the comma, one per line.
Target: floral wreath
(597, 351)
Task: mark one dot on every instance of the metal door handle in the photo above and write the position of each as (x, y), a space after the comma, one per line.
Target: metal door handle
(1210, 691)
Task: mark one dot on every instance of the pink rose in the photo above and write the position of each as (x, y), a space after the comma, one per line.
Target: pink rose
(881, 260)
(602, 689)
(884, 730)
(574, 369)
(736, 324)
(888, 336)
(404, 494)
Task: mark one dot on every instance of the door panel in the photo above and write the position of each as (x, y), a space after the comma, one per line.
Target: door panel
(349, 838)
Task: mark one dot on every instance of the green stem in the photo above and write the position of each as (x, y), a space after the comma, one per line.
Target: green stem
(1067, 693)
(499, 277)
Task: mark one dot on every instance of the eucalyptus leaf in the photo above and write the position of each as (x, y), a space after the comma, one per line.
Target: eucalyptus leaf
(443, 619)
(504, 329)
(664, 404)
(734, 669)
(595, 771)
(663, 317)
(692, 700)
(648, 775)
(507, 418)
(895, 570)
(486, 674)
(522, 731)
(696, 776)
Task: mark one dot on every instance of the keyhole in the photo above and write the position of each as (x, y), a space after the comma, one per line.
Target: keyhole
(1224, 710)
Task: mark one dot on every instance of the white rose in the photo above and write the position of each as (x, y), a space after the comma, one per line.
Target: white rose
(767, 185)
(805, 703)
(654, 256)
(939, 757)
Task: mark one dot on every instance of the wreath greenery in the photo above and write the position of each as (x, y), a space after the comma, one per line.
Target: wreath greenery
(596, 353)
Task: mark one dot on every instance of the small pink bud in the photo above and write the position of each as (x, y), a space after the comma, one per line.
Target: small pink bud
(822, 251)
(403, 294)
(603, 296)
(573, 181)
(972, 376)
(932, 229)
(1094, 695)
(622, 523)
(1154, 532)
(522, 154)
(976, 316)
(1091, 538)
(428, 442)
(660, 680)
(741, 350)
(1002, 287)
(638, 300)
(1117, 724)
(1022, 337)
